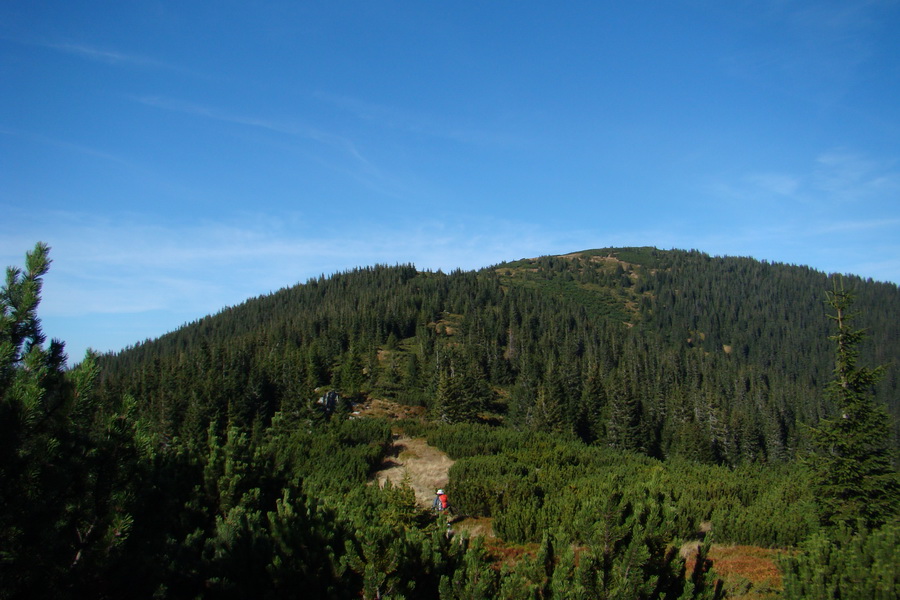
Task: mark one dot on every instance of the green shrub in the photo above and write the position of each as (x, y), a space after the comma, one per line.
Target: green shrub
(862, 566)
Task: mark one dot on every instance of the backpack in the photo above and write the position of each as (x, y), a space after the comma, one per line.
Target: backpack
(445, 502)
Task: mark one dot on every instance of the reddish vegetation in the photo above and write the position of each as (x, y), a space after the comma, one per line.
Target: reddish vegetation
(475, 526)
(739, 566)
(756, 564)
(509, 554)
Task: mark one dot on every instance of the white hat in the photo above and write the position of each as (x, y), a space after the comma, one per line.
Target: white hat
(440, 491)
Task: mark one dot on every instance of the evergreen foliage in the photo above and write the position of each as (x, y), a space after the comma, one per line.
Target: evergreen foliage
(65, 460)
(661, 352)
(531, 483)
(862, 565)
(642, 402)
(855, 478)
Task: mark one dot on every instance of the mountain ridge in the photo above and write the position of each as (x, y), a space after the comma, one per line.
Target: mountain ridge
(666, 352)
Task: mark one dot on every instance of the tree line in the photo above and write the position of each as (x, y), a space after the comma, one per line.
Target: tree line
(666, 353)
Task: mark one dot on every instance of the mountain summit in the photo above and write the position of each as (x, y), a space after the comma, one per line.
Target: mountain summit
(664, 352)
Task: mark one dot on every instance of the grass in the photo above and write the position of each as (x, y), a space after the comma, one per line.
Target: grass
(748, 572)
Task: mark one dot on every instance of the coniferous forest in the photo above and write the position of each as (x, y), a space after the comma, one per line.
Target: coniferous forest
(603, 409)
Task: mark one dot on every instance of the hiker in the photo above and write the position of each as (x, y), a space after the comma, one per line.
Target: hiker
(441, 502)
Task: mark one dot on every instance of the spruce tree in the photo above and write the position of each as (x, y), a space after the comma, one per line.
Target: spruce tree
(851, 459)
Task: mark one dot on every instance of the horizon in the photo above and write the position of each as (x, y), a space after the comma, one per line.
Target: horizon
(182, 158)
(449, 271)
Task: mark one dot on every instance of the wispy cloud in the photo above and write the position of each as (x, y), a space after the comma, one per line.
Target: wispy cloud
(778, 184)
(122, 266)
(846, 176)
(418, 123)
(360, 166)
(116, 282)
(118, 266)
(105, 55)
(813, 51)
(834, 215)
(864, 247)
(834, 177)
(855, 226)
(66, 145)
(96, 53)
(279, 126)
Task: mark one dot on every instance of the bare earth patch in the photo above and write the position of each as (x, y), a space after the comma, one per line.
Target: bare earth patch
(427, 468)
(376, 407)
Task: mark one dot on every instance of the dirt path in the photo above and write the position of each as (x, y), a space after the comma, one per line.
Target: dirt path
(751, 573)
(427, 468)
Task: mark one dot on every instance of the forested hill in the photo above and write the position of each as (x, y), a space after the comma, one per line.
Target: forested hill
(663, 352)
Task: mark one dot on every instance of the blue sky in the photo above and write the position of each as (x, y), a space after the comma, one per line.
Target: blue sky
(180, 157)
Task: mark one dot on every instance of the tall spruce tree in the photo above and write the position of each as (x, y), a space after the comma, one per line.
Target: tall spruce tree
(851, 459)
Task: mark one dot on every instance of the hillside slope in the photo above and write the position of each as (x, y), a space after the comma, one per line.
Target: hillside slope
(669, 353)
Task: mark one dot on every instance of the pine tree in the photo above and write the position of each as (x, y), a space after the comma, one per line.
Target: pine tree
(65, 461)
(352, 378)
(458, 397)
(854, 475)
(623, 427)
(547, 414)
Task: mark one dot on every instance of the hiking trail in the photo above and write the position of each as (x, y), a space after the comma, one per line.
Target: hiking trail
(427, 468)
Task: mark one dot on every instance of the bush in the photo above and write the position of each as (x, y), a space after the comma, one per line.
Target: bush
(863, 566)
